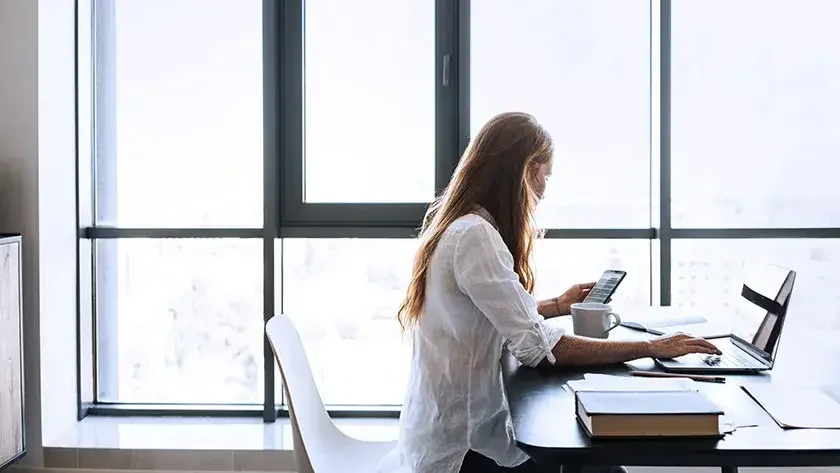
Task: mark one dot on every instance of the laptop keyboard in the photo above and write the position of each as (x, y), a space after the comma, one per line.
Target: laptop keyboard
(732, 359)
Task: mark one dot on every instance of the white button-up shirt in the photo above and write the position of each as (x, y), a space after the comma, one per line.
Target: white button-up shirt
(455, 400)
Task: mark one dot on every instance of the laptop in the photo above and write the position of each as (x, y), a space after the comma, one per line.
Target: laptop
(756, 326)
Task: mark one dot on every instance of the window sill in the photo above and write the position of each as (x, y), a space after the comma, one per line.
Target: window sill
(195, 444)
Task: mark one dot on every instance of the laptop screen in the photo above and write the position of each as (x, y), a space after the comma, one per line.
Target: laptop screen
(763, 306)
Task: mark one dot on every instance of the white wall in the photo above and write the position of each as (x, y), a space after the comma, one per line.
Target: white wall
(57, 215)
(37, 154)
(19, 181)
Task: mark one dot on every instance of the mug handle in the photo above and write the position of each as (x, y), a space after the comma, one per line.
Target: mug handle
(617, 321)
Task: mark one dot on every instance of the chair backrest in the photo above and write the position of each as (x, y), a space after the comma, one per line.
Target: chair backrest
(311, 424)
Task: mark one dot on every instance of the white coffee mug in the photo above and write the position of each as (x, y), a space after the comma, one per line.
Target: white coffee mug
(592, 319)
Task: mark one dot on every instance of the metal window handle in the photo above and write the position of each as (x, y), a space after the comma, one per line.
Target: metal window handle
(446, 60)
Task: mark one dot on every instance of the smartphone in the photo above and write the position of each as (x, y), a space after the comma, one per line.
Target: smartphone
(606, 286)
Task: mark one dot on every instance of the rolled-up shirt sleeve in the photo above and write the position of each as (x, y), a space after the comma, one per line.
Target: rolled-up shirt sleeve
(484, 272)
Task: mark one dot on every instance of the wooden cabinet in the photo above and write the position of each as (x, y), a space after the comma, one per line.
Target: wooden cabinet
(11, 351)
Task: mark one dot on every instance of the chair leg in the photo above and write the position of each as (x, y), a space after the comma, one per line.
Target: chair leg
(301, 457)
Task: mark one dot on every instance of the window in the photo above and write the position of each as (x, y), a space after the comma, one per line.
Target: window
(171, 190)
(755, 113)
(343, 295)
(244, 158)
(180, 321)
(180, 112)
(583, 69)
(561, 263)
(370, 101)
(367, 92)
(708, 275)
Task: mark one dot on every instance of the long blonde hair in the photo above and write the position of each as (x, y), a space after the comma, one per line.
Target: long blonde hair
(495, 173)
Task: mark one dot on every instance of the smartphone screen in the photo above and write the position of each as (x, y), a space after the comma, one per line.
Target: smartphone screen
(606, 286)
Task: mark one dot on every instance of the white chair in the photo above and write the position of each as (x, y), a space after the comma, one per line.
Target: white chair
(319, 446)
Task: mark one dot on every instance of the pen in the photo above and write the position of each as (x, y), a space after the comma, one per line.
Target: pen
(695, 377)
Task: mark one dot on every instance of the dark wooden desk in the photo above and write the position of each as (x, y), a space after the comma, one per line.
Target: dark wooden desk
(545, 426)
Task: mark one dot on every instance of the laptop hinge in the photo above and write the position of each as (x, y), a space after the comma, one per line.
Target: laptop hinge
(746, 347)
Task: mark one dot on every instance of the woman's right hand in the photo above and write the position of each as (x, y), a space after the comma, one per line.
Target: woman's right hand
(672, 346)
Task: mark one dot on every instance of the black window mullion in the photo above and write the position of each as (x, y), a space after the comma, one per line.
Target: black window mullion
(290, 106)
(449, 68)
(299, 214)
(272, 140)
(665, 153)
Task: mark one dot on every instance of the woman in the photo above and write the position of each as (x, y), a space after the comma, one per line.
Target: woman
(471, 291)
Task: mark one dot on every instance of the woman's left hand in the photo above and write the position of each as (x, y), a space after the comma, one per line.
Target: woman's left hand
(573, 295)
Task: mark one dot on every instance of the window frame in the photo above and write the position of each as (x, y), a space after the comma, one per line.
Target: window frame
(287, 215)
(295, 212)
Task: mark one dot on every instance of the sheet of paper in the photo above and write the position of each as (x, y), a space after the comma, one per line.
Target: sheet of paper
(664, 320)
(602, 382)
(729, 424)
(679, 320)
(795, 407)
(704, 330)
(668, 317)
